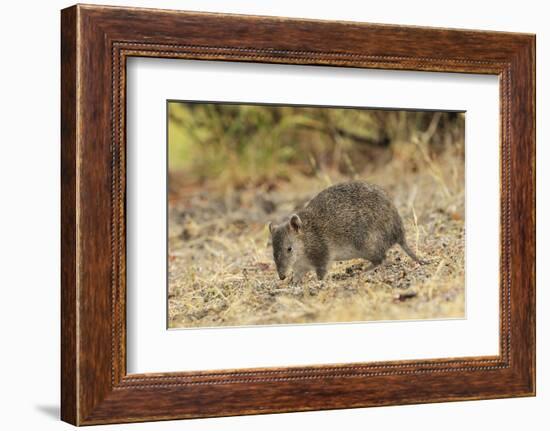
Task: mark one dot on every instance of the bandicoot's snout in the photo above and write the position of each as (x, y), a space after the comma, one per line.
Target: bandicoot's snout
(286, 249)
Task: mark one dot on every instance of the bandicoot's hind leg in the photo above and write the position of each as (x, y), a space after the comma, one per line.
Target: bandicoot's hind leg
(375, 261)
(411, 253)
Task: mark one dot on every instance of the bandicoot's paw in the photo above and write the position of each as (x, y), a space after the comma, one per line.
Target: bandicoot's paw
(321, 273)
(296, 280)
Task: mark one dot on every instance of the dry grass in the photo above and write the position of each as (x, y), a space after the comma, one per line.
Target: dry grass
(221, 272)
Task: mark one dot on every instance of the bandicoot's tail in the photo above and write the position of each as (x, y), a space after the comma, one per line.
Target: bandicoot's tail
(411, 253)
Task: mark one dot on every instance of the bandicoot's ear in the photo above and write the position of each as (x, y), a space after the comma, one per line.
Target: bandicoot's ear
(295, 222)
(270, 225)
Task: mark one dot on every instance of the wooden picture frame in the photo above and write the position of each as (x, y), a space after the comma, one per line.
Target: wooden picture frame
(96, 41)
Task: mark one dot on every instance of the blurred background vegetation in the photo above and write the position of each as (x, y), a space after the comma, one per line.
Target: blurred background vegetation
(243, 144)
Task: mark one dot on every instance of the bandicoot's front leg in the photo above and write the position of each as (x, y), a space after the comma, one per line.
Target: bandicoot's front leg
(321, 272)
(372, 266)
(300, 269)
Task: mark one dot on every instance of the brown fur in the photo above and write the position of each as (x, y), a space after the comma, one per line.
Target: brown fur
(345, 221)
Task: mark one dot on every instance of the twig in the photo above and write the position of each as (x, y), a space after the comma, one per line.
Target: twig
(415, 219)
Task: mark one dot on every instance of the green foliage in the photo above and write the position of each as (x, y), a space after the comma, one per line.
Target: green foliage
(241, 143)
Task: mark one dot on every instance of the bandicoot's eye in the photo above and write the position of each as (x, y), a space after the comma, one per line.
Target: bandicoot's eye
(289, 249)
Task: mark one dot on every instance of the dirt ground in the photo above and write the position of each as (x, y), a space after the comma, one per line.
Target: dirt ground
(221, 270)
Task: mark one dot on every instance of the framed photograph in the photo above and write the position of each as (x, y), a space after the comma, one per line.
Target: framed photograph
(264, 215)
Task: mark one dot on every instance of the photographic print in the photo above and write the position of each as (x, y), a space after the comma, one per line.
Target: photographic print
(287, 214)
(274, 221)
